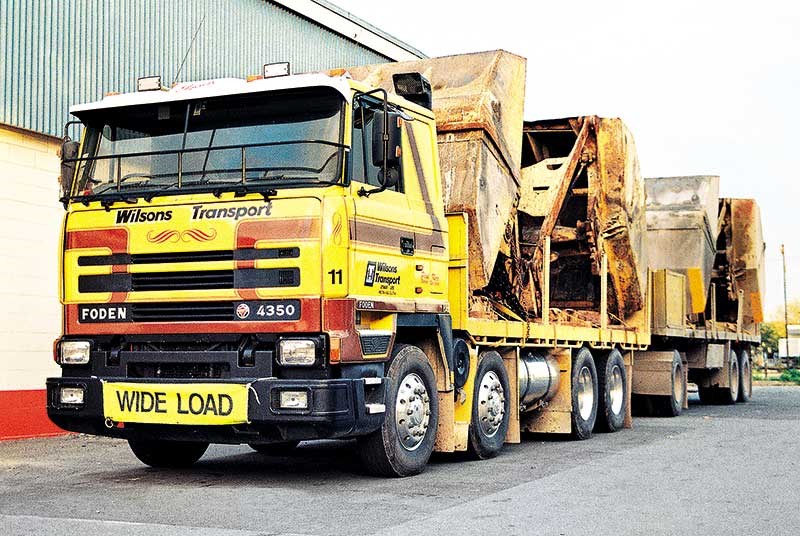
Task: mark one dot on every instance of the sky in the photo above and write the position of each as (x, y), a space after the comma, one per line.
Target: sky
(706, 87)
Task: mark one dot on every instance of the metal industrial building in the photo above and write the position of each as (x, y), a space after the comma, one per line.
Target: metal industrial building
(55, 54)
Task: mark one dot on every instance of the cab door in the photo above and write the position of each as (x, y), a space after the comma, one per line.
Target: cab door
(383, 234)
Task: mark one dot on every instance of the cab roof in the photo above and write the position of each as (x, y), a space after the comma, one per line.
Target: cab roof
(217, 87)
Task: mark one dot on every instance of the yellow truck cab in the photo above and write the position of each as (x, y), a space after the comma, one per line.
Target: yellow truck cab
(240, 260)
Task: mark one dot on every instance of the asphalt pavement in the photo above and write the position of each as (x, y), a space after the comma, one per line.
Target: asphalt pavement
(715, 470)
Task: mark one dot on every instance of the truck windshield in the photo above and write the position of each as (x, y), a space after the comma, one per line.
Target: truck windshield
(215, 144)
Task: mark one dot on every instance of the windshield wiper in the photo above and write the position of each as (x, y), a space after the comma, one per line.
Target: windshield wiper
(241, 190)
(106, 200)
(150, 195)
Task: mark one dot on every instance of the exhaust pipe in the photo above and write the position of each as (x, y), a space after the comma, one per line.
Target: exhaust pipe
(538, 379)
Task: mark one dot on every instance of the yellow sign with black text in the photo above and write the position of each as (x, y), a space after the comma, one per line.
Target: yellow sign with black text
(186, 403)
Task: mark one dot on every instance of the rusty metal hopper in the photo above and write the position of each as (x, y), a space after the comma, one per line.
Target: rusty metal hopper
(478, 102)
(682, 230)
(741, 272)
(581, 186)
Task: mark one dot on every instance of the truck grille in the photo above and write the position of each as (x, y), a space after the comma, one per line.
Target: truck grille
(195, 280)
(182, 312)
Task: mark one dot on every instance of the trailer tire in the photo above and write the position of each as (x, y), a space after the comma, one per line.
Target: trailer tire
(728, 395)
(491, 407)
(745, 377)
(384, 452)
(167, 454)
(612, 381)
(671, 405)
(282, 448)
(584, 394)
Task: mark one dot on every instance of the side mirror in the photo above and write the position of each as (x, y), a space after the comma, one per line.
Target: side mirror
(69, 152)
(386, 139)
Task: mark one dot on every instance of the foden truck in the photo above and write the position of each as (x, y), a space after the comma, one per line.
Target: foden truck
(388, 253)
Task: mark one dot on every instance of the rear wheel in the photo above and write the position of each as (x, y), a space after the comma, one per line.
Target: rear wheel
(584, 394)
(404, 443)
(613, 386)
(491, 406)
(275, 449)
(672, 404)
(728, 395)
(167, 454)
(745, 377)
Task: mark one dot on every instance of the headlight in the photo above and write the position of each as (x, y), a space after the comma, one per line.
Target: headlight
(294, 400)
(71, 395)
(302, 352)
(74, 352)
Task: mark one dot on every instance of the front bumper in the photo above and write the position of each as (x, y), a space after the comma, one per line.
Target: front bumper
(337, 408)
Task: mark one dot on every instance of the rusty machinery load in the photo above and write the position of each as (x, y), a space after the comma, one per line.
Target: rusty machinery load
(574, 181)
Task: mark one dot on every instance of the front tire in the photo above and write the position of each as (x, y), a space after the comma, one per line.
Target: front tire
(584, 394)
(491, 407)
(167, 454)
(613, 386)
(404, 443)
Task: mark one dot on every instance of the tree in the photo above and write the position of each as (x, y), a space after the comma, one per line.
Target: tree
(771, 332)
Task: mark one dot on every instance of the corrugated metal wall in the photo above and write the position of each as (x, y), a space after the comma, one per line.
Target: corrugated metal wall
(56, 53)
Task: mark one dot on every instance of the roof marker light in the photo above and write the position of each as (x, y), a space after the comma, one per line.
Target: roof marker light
(271, 70)
(148, 83)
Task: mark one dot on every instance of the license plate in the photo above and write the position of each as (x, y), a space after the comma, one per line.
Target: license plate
(188, 403)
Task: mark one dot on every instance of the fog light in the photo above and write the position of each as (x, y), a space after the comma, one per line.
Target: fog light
(301, 352)
(74, 352)
(71, 395)
(294, 400)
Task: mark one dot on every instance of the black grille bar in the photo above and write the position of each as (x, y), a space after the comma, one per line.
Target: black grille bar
(244, 254)
(190, 280)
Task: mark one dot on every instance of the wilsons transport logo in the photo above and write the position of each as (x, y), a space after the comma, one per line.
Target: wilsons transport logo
(382, 274)
(199, 212)
(138, 215)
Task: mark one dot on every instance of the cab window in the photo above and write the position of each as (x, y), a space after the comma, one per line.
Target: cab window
(361, 169)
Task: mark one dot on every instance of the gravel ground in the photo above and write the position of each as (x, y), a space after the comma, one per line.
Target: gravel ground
(715, 470)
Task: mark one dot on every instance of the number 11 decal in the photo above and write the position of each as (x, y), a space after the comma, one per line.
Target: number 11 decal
(336, 277)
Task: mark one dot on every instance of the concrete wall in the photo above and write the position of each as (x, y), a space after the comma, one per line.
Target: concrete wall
(30, 316)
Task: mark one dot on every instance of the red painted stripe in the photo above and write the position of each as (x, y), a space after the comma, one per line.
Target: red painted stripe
(309, 322)
(23, 414)
(116, 239)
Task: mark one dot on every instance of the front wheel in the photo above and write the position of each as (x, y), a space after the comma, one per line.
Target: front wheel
(584, 394)
(167, 454)
(404, 443)
(491, 406)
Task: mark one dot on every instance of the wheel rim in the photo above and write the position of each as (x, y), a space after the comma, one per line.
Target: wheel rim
(491, 403)
(677, 385)
(412, 411)
(585, 393)
(616, 389)
(734, 377)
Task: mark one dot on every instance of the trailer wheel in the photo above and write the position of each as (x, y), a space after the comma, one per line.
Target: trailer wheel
(728, 395)
(404, 443)
(745, 377)
(613, 386)
(282, 448)
(584, 394)
(491, 407)
(672, 404)
(167, 454)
